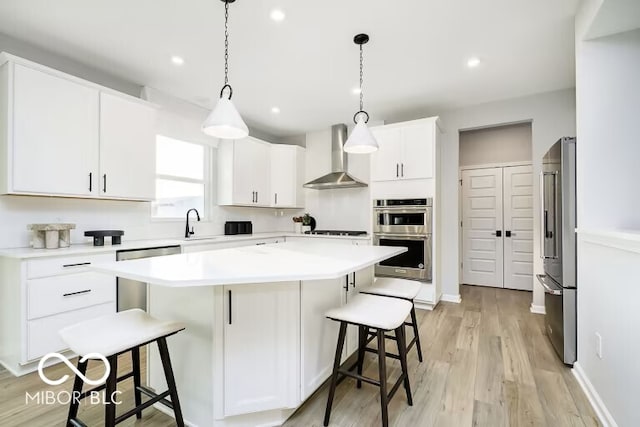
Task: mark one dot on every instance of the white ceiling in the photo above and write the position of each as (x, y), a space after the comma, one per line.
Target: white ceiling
(307, 65)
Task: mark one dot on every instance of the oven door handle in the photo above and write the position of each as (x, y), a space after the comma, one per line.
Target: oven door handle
(402, 209)
(402, 236)
(548, 289)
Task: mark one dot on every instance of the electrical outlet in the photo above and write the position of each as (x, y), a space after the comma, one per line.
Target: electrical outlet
(599, 345)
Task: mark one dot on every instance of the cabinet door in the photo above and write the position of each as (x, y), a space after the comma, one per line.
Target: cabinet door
(261, 174)
(356, 281)
(261, 347)
(385, 163)
(127, 149)
(246, 171)
(55, 135)
(319, 335)
(286, 176)
(417, 151)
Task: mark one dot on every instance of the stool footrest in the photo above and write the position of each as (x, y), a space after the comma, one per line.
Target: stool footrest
(77, 423)
(374, 351)
(103, 386)
(359, 377)
(132, 412)
(395, 387)
(150, 393)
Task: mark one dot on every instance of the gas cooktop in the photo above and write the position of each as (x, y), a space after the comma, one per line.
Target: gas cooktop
(337, 232)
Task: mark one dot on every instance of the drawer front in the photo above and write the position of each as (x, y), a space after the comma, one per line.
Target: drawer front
(42, 334)
(64, 265)
(58, 294)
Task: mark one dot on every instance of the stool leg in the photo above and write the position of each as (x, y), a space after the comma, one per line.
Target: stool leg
(77, 389)
(363, 333)
(382, 368)
(402, 351)
(334, 376)
(135, 361)
(112, 383)
(415, 330)
(171, 382)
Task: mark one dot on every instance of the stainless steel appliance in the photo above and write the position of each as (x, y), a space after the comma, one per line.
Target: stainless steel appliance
(131, 293)
(406, 223)
(558, 246)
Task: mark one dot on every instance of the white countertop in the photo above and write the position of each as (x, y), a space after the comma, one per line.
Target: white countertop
(84, 249)
(282, 262)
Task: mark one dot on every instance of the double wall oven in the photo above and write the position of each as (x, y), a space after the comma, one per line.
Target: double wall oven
(406, 223)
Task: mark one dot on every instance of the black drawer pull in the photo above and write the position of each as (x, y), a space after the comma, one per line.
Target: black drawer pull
(230, 315)
(76, 265)
(70, 294)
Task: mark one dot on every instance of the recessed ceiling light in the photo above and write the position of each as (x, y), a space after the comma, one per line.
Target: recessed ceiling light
(277, 15)
(356, 90)
(177, 60)
(275, 110)
(473, 62)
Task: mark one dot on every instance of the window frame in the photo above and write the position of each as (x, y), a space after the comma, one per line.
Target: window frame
(206, 181)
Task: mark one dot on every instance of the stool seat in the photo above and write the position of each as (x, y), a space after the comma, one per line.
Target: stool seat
(115, 333)
(393, 287)
(372, 311)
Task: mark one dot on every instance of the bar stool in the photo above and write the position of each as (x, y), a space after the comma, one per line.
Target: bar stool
(403, 289)
(110, 336)
(383, 315)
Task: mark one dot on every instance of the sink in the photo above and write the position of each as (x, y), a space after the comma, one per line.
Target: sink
(193, 238)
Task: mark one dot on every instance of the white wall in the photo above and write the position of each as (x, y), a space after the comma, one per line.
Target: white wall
(503, 144)
(552, 116)
(339, 209)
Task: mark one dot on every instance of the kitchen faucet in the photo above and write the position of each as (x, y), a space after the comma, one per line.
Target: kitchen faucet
(189, 232)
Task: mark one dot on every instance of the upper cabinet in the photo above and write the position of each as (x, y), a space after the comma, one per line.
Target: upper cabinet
(287, 176)
(252, 172)
(63, 136)
(407, 151)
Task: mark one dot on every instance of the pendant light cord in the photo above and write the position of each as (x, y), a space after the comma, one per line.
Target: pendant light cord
(226, 43)
(361, 80)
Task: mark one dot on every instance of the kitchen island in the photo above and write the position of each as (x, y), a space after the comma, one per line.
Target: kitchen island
(257, 343)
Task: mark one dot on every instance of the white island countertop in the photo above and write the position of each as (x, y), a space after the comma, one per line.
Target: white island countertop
(281, 262)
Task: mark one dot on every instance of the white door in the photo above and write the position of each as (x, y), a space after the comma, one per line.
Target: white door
(261, 347)
(482, 220)
(518, 227)
(385, 162)
(417, 151)
(55, 135)
(127, 149)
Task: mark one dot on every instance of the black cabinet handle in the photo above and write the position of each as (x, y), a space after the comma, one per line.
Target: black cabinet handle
(230, 316)
(104, 183)
(353, 284)
(346, 283)
(276, 201)
(397, 170)
(402, 169)
(256, 197)
(70, 294)
(75, 265)
(90, 182)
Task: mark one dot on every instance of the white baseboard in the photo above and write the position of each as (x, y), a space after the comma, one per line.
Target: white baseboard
(537, 309)
(594, 398)
(423, 305)
(451, 298)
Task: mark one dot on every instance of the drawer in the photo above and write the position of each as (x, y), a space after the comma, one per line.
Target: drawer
(64, 265)
(58, 294)
(42, 334)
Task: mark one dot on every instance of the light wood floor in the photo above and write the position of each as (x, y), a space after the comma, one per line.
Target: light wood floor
(487, 363)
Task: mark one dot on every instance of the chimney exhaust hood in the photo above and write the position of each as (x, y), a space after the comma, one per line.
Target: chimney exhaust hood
(338, 177)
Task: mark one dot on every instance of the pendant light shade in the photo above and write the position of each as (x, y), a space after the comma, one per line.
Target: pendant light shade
(224, 121)
(361, 140)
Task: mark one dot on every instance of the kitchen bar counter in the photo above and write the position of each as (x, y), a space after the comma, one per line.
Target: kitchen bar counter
(279, 262)
(85, 249)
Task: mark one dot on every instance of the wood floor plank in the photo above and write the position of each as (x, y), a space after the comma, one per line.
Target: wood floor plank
(523, 405)
(517, 366)
(469, 331)
(485, 414)
(489, 385)
(458, 401)
(556, 400)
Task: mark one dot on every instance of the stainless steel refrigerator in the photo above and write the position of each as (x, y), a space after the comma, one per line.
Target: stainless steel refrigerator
(558, 237)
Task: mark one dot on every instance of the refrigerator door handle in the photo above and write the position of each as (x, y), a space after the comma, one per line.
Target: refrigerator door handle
(548, 289)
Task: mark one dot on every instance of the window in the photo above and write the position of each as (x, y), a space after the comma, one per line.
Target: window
(181, 171)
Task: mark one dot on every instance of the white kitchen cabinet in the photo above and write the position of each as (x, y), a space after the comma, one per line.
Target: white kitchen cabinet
(287, 176)
(355, 282)
(261, 347)
(406, 151)
(243, 172)
(127, 148)
(65, 136)
(53, 137)
(214, 244)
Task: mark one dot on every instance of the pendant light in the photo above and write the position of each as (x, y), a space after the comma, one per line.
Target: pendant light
(224, 121)
(361, 140)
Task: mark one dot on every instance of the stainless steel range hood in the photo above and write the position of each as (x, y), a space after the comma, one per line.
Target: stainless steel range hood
(338, 177)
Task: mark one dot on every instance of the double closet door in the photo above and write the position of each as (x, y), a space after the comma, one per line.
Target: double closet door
(497, 227)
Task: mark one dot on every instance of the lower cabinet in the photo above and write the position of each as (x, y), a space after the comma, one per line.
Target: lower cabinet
(355, 282)
(261, 347)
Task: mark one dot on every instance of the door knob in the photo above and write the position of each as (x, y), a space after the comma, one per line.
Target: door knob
(498, 233)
